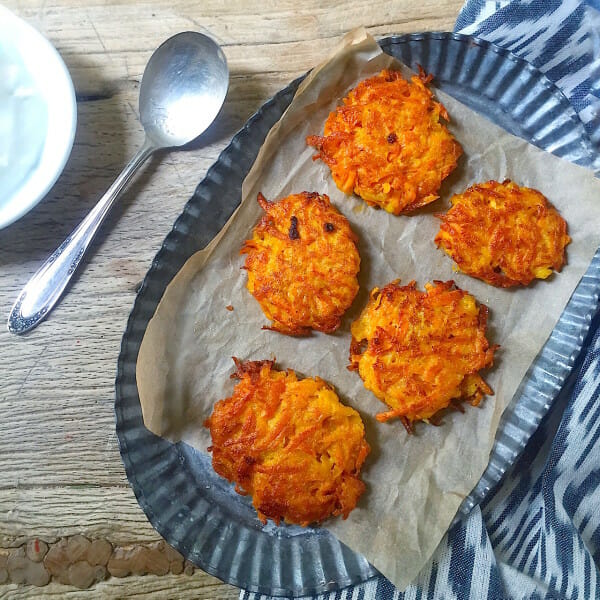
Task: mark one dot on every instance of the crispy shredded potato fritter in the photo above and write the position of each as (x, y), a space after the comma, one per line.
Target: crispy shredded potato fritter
(386, 143)
(420, 352)
(302, 264)
(504, 234)
(289, 443)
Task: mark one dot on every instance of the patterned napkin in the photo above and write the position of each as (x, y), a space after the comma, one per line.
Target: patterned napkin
(537, 535)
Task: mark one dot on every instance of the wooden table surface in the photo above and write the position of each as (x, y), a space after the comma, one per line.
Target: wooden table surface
(61, 474)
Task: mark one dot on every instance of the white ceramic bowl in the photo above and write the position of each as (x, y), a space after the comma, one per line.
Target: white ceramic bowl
(38, 115)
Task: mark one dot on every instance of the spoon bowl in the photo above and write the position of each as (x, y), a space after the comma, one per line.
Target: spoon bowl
(183, 88)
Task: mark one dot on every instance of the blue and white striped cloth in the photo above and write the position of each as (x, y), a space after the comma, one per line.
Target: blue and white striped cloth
(538, 534)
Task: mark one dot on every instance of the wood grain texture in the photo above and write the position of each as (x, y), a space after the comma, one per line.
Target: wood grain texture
(60, 469)
(193, 587)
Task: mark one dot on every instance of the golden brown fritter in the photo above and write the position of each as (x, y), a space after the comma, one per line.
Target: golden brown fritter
(504, 234)
(420, 352)
(302, 263)
(386, 143)
(289, 443)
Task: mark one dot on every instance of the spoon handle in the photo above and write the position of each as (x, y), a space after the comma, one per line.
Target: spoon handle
(44, 289)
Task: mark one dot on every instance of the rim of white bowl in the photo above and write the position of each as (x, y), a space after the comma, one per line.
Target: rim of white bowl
(47, 68)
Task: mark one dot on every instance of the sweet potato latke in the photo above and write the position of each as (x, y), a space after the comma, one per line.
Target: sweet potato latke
(289, 443)
(420, 352)
(302, 263)
(386, 143)
(504, 234)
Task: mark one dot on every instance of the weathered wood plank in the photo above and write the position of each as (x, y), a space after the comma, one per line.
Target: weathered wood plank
(101, 50)
(52, 511)
(195, 587)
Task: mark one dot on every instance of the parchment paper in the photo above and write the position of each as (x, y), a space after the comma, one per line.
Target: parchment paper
(416, 483)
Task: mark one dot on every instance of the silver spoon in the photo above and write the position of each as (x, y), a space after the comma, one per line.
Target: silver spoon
(183, 88)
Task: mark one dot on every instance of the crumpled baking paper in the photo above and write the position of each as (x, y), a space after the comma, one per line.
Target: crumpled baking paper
(415, 483)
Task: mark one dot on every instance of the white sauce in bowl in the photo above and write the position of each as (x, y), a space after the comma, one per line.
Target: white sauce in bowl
(38, 116)
(23, 124)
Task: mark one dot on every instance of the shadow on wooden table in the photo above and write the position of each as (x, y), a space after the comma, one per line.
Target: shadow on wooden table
(99, 152)
(245, 96)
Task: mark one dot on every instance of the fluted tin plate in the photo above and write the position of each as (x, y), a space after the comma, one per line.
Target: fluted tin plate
(198, 512)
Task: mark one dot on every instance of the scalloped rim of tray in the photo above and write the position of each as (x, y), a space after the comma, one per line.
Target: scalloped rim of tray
(191, 232)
